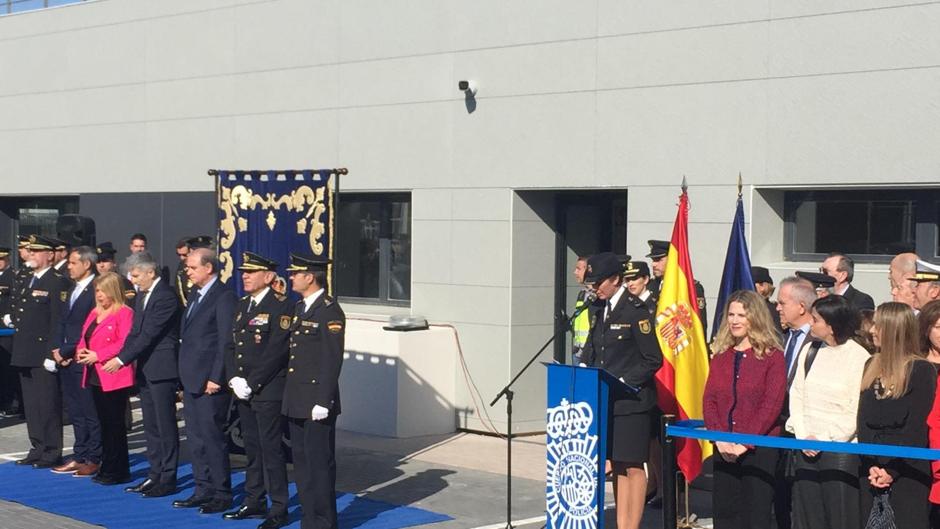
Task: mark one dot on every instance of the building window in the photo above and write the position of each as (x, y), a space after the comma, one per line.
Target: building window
(373, 251)
(871, 225)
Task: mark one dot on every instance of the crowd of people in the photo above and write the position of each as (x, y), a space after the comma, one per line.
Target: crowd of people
(820, 362)
(88, 334)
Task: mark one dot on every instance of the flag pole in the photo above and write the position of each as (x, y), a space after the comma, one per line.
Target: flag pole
(740, 184)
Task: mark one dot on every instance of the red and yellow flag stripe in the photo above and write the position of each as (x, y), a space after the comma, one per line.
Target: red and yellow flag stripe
(680, 383)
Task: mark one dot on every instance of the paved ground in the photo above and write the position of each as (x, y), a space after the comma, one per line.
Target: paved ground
(461, 475)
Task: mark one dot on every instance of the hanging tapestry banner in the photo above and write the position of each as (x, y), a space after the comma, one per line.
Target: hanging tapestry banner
(274, 213)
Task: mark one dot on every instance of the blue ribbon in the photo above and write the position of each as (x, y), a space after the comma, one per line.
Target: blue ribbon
(7, 332)
(694, 429)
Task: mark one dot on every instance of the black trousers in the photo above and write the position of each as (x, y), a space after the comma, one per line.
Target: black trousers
(262, 428)
(111, 406)
(743, 491)
(9, 377)
(313, 444)
(205, 431)
(825, 491)
(42, 403)
(80, 405)
(158, 405)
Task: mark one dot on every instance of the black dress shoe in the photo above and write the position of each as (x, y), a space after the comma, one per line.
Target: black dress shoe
(26, 461)
(246, 511)
(107, 479)
(215, 506)
(141, 487)
(160, 491)
(275, 522)
(45, 464)
(191, 501)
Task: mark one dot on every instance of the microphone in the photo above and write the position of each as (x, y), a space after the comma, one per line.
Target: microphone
(590, 297)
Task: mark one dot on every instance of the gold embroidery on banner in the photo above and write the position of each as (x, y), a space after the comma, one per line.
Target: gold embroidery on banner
(235, 200)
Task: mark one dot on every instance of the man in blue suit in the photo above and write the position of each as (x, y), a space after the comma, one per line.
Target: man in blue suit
(79, 300)
(205, 340)
(154, 343)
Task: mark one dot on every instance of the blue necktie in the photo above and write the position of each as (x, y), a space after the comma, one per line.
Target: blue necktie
(791, 345)
(192, 304)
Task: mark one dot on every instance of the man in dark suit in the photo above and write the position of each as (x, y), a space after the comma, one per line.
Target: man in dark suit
(36, 318)
(61, 250)
(311, 392)
(842, 268)
(153, 343)
(257, 369)
(205, 340)
(79, 300)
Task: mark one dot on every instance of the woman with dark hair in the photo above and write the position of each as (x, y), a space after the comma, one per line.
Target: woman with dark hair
(929, 320)
(823, 405)
(744, 393)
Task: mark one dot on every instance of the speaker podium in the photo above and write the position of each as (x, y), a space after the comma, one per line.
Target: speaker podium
(576, 445)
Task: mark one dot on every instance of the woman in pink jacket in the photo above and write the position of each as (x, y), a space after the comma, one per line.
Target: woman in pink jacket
(103, 335)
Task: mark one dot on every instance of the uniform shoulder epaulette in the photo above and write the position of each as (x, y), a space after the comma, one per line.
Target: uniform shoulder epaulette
(328, 301)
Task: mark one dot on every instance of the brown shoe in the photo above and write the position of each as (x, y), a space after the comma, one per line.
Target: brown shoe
(69, 468)
(86, 470)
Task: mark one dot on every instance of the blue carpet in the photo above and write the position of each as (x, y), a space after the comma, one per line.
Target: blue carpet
(111, 507)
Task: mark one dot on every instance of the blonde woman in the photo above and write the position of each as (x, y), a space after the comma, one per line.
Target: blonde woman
(747, 382)
(898, 390)
(103, 335)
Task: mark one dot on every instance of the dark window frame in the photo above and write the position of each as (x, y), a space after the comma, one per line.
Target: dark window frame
(926, 218)
(385, 199)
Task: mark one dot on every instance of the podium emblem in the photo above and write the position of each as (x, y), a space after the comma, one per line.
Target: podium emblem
(571, 481)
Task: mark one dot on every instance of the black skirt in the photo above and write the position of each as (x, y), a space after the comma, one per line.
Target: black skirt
(629, 438)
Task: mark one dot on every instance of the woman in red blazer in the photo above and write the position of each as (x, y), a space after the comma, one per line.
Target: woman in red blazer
(929, 321)
(103, 336)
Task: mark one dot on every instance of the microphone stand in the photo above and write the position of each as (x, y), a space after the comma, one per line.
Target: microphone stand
(509, 395)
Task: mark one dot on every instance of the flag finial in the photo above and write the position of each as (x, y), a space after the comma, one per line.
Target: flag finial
(740, 184)
(685, 185)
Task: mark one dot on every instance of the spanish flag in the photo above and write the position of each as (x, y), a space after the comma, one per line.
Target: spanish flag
(680, 383)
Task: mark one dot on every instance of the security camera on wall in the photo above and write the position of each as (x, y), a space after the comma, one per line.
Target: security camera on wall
(468, 86)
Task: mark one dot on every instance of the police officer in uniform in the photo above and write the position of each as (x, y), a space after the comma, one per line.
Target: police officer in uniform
(36, 317)
(311, 395)
(258, 367)
(636, 275)
(8, 376)
(659, 250)
(622, 342)
(106, 263)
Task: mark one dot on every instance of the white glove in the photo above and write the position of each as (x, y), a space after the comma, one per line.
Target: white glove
(7, 320)
(240, 387)
(49, 365)
(319, 413)
(582, 364)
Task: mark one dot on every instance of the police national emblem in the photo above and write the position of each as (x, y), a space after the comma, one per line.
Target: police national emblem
(572, 477)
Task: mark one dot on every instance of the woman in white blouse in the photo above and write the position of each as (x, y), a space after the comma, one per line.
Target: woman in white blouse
(823, 405)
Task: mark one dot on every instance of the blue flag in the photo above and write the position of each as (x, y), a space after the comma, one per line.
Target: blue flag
(737, 273)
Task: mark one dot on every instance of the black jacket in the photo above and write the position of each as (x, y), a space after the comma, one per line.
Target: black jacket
(317, 342)
(36, 319)
(625, 345)
(6, 291)
(69, 331)
(154, 338)
(206, 338)
(858, 299)
(261, 343)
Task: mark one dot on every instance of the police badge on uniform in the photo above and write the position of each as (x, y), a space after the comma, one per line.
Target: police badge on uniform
(645, 326)
(63, 296)
(335, 326)
(285, 322)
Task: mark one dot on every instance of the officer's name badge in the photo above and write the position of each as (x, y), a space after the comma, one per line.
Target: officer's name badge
(619, 326)
(335, 326)
(40, 293)
(310, 324)
(260, 319)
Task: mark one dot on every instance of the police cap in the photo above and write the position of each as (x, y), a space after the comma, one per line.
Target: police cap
(761, 275)
(601, 266)
(252, 262)
(307, 263)
(658, 249)
(818, 279)
(635, 269)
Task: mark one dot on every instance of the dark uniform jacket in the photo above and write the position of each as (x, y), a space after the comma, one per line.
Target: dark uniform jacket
(625, 345)
(6, 291)
(206, 338)
(69, 331)
(36, 319)
(154, 338)
(316, 355)
(261, 339)
(182, 285)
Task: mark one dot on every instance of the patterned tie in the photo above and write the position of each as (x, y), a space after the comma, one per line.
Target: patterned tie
(252, 305)
(791, 345)
(144, 298)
